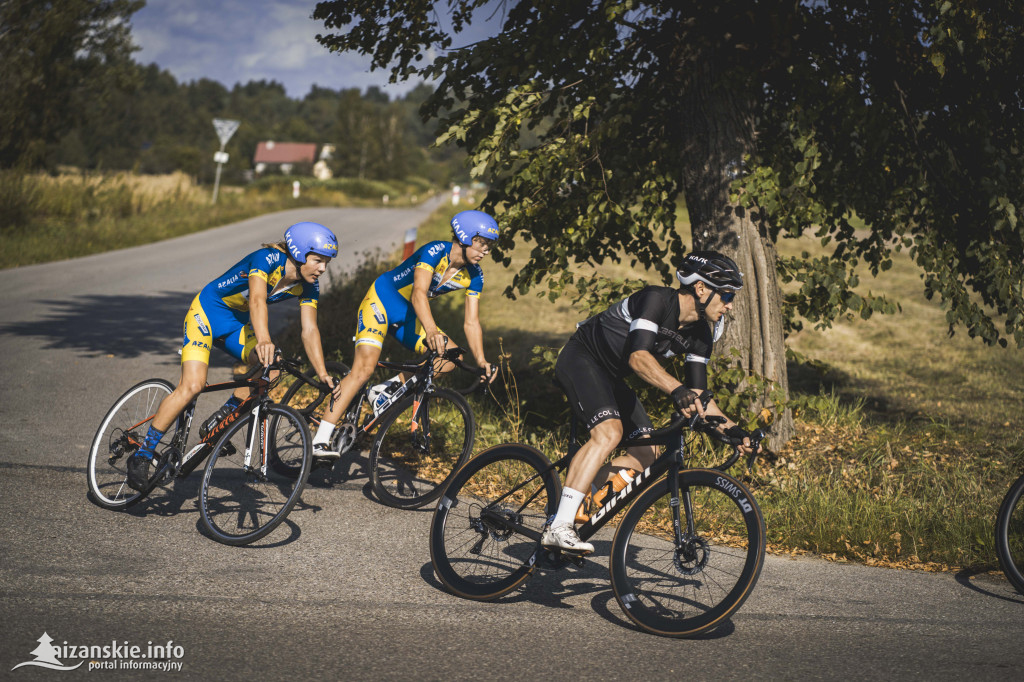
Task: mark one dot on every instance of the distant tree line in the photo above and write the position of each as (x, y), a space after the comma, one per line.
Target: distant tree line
(74, 96)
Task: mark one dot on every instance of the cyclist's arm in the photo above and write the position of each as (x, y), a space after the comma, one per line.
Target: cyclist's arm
(422, 279)
(650, 370)
(311, 342)
(475, 334)
(260, 320)
(647, 367)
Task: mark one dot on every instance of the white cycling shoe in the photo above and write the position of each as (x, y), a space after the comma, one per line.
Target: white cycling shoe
(323, 452)
(564, 537)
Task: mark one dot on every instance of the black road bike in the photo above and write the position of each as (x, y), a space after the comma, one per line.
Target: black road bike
(684, 557)
(1010, 535)
(242, 497)
(424, 432)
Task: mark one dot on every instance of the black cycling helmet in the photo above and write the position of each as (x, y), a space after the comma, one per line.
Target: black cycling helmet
(712, 268)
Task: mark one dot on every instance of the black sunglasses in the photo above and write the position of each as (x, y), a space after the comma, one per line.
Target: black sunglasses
(726, 296)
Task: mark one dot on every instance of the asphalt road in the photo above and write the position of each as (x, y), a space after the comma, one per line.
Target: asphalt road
(345, 590)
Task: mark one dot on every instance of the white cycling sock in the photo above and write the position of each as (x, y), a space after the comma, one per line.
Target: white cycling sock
(567, 506)
(324, 432)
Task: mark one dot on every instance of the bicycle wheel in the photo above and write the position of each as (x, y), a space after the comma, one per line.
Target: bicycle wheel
(681, 589)
(242, 499)
(419, 447)
(1010, 535)
(311, 404)
(473, 552)
(119, 436)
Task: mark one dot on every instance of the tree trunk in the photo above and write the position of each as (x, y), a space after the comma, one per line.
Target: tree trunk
(718, 130)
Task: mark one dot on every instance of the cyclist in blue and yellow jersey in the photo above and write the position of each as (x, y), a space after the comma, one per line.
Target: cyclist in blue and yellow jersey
(231, 313)
(398, 303)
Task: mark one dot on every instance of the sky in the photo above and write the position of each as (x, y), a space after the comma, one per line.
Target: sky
(235, 41)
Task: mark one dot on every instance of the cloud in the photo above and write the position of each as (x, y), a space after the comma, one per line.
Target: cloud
(235, 41)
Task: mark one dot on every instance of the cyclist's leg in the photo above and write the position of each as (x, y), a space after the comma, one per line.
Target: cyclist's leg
(195, 358)
(239, 344)
(410, 334)
(195, 363)
(371, 328)
(635, 424)
(591, 394)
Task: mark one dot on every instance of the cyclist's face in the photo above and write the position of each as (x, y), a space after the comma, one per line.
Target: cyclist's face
(718, 307)
(314, 266)
(480, 247)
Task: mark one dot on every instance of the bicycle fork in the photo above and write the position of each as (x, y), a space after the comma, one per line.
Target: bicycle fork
(691, 552)
(257, 439)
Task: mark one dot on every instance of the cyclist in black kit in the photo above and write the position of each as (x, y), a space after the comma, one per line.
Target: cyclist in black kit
(655, 322)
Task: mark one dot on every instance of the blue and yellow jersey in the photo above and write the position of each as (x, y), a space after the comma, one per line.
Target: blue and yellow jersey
(387, 307)
(434, 257)
(232, 288)
(219, 315)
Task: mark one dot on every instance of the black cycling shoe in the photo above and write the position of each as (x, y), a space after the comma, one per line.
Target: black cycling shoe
(138, 472)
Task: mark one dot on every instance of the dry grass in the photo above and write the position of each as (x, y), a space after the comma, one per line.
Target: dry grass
(44, 218)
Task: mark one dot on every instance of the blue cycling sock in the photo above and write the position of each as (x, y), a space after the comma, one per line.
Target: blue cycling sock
(149, 444)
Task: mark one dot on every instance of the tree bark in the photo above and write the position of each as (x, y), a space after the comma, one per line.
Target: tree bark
(718, 128)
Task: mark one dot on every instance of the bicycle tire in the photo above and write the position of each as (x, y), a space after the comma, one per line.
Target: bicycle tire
(1010, 535)
(482, 561)
(240, 504)
(683, 591)
(119, 436)
(299, 396)
(411, 462)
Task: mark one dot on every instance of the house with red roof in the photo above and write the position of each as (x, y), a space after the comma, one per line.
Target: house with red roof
(283, 155)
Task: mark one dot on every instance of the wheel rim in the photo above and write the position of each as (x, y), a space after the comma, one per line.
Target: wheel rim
(243, 502)
(690, 586)
(475, 555)
(119, 436)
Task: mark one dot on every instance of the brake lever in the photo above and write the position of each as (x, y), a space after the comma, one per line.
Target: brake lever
(755, 441)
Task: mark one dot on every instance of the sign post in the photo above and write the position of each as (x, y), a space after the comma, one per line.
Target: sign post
(225, 129)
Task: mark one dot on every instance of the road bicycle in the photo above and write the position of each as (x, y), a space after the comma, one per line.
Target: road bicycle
(242, 497)
(424, 432)
(684, 557)
(1010, 535)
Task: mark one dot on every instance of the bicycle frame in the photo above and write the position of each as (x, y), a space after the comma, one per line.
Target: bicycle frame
(186, 462)
(671, 462)
(421, 381)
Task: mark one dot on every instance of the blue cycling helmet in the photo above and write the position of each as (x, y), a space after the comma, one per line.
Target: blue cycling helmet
(469, 224)
(306, 238)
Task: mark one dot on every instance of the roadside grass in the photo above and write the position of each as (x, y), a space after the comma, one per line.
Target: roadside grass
(906, 439)
(47, 218)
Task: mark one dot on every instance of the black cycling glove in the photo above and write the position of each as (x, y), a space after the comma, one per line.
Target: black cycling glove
(684, 398)
(735, 434)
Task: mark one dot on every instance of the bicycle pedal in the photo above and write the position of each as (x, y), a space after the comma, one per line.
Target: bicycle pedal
(556, 560)
(324, 462)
